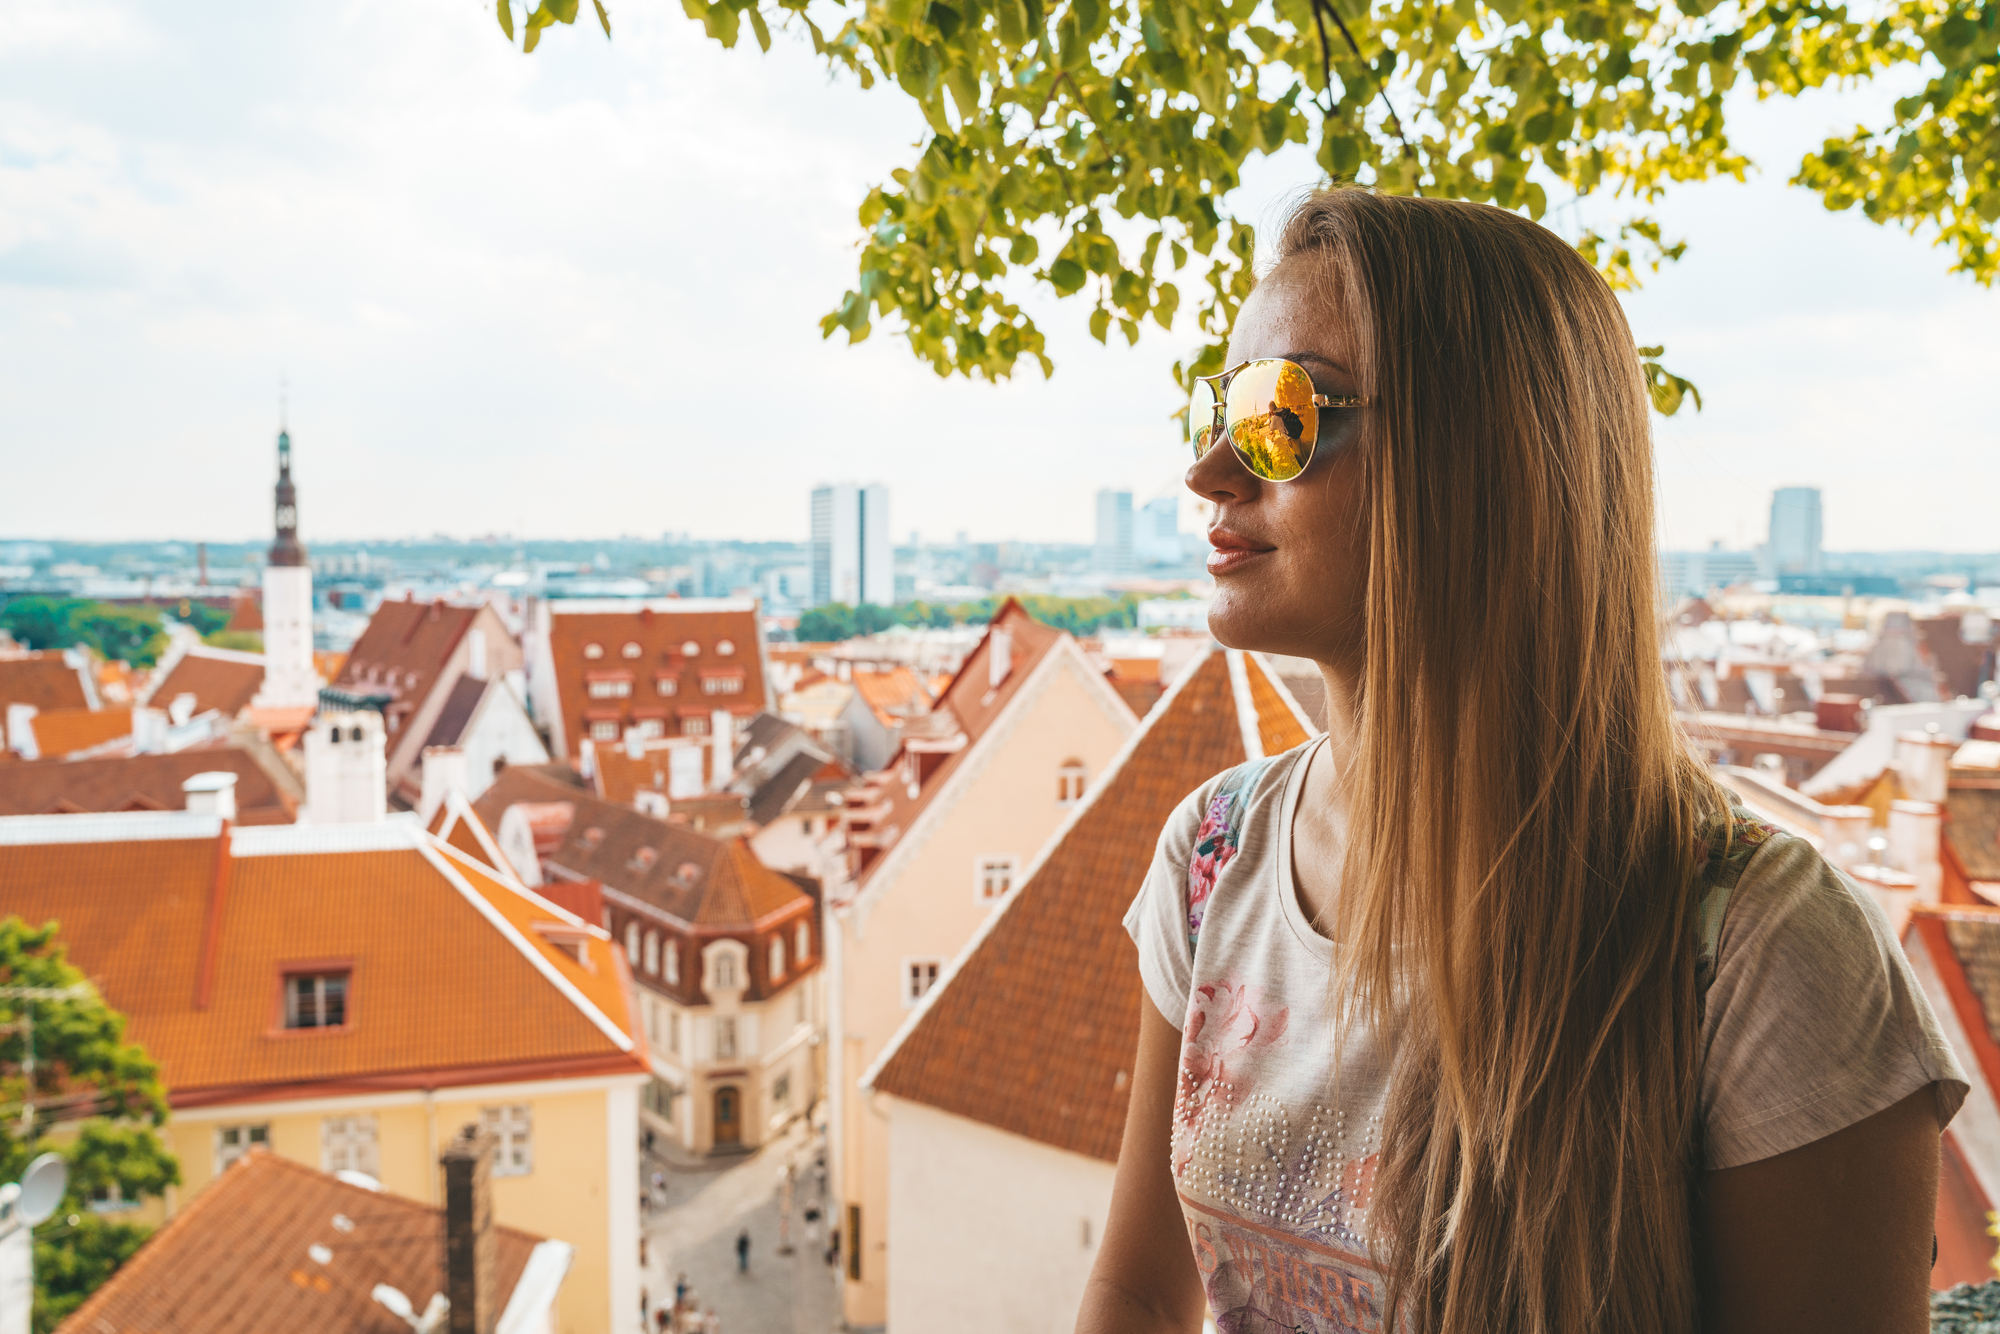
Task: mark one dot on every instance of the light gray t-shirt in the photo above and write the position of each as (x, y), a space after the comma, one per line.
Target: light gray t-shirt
(1813, 1022)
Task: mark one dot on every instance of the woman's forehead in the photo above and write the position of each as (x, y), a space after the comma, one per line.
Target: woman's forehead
(1291, 311)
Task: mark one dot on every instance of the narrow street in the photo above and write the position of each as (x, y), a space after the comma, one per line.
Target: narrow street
(707, 1203)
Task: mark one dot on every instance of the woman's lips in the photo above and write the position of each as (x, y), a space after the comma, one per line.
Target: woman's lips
(1232, 551)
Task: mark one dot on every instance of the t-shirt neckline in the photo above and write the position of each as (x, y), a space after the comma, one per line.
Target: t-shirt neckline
(1288, 889)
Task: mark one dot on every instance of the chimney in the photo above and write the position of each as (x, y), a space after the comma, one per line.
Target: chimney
(1916, 830)
(182, 708)
(212, 793)
(1838, 713)
(1923, 762)
(444, 774)
(347, 772)
(1844, 832)
(469, 1243)
(149, 732)
(722, 739)
(1895, 891)
(21, 731)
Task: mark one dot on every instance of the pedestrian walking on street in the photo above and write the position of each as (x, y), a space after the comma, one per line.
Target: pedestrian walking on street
(743, 1251)
(681, 1290)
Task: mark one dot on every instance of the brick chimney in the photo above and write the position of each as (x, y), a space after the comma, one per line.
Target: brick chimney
(470, 1256)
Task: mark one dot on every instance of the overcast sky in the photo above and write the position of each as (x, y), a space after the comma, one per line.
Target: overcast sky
(577, 294)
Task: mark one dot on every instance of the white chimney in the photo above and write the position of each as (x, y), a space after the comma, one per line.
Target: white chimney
(212, 793)
(1895, 891)
(635, 744)
(999, 657)
(181, 709)
(475, 654)
(444, 774)
(347, 772)
(1916, 829)
(722, 741)
(1844, 834)
(650, 801)
(21, 731)
(1923, 761)
(149, 732)
(516, 837)
(684, 766)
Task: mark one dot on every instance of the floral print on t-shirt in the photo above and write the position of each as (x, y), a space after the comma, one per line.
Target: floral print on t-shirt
(1215, 843)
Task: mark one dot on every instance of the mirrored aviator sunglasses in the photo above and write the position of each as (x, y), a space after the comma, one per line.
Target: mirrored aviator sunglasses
(1267, 411)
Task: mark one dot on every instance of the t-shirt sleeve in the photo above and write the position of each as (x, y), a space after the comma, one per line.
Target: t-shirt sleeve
(1157, 920)
(1815, 1020)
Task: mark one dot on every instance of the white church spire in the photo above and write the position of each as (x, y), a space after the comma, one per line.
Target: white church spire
(289, 679)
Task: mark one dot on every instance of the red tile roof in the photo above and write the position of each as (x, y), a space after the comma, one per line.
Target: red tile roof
(451, 983)
(893, 695)
(1034, 1027)
(140, 783)
(67, 731)
(44, 679)
(217, 680)
(405, 648)
(649, 642)
(239, 1259)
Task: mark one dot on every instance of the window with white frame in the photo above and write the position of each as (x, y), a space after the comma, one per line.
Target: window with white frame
(777, 957)
(512, 1128)
(631, 649)
(724, 647)
(725, 1036)
(232, 1142)
(1069, 782)
(725, 970)
(919, 976)
(616, 689)
(348, 1144)
(652, 951)
(593, 650)
(673, 962)
(604, 729)
(694, 727)
(995, 878)
(652, 728)
(316, 1000)
(802, 942)
(667, 686)
(722, 685)
(632, 944)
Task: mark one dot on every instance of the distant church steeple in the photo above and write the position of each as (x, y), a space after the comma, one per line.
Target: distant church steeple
(287, 549)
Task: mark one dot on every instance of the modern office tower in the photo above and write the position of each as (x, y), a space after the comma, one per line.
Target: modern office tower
(1114, 532)
(1156, 537)
(852, 561)
(1795, 530)
(289, 679)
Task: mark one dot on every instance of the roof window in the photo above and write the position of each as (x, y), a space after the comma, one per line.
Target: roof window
(643, 860)
(593, 650)
(593, 838)
(668, 686)
(687, 875)
(725, 647)
(631, 649)
(690, 649)
(316, 1000)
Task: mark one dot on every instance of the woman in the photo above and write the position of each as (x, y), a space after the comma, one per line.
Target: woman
(1486, 1012)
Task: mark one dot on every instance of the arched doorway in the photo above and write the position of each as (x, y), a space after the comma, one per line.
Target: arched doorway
(728, 1115)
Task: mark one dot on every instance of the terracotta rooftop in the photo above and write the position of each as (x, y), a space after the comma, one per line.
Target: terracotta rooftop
(1962, 945)
(1973, 829)
(1034, 1026)
(405, 648)
(425, 932)
(217, 678)
(687, 875)
(140, 783)
(67, 731)
(708, 651)
(893, 695)
(46, 680)
(241, 1259)
(459, 706)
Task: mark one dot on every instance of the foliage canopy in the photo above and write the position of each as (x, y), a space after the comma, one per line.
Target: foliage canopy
(1092, 144)
(97, 1101)
(1078, 615)
(113, 632)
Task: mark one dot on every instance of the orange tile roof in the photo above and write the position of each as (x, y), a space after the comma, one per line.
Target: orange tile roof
(893, 695)
(1034, 1027)
(405, 648)
(1280, 722)
(246, 612)
(42, 679)
(660, 633)
(67, 731)
(217, 681)
(140, 782)
(238, 1259)
(619, 777)
(687, 875)
(450, 984)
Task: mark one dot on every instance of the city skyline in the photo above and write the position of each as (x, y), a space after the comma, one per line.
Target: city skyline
(506, 345)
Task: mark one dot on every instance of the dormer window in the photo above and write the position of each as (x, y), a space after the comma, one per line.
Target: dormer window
(593, 838)
(604, 729)
(695, 726)
(722, 685)
(593, 650)
(690, 649)
(671, 958)
(724, 647)
(687, 875)
(642, 861)
(631, 649)
(611, 688)
(316, 1000)
(667, 686)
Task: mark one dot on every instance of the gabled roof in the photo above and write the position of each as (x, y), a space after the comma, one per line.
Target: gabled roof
(703, 881)
(217, 678)
(452, 981)
(61, 732)
(405, 648)
(456, 823)
(140, 782)
(46, 679)
(241, 1259)
(456, 715)
(1034, 1026)
(892, 695)
(659, 630)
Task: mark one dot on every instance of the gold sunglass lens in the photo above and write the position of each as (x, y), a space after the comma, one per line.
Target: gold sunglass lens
(1204, 422)
(1272, 418)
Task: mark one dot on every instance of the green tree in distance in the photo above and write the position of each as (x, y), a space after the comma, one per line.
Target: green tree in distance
(132, 636)
(1080, 616)
(1092, 145)
(94, 1098)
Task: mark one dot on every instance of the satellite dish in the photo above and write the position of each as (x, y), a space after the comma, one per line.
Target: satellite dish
(42, 1188)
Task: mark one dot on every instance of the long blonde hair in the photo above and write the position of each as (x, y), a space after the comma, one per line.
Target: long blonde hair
(1525, 816)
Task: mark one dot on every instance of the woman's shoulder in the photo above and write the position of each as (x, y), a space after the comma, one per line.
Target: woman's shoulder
(1234, 798)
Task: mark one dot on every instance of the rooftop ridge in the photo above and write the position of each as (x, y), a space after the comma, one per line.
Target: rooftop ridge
(612, 606)
(109, 827)
(397, 833)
